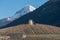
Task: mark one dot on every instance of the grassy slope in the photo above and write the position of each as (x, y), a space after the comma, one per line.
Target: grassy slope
(16, 32)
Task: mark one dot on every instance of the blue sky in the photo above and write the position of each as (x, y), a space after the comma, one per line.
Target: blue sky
(9, 7)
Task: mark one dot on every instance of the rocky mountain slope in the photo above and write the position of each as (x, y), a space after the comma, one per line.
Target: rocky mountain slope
(49, 14)
(17, 15)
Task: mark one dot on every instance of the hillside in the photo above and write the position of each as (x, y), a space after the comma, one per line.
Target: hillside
(17, 32)
(37, 28)
(41, 24)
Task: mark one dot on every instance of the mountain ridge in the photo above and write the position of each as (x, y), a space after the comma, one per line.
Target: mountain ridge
(24, 11)
(49, 14)
(21, 12)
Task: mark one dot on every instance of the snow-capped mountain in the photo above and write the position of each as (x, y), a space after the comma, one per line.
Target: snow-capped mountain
(6, 21)
(24, 11)
(18, 14)
(43, 15)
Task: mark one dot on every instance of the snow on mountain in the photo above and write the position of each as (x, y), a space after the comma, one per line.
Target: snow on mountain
(10, 19)
(6, 21)
(18, 14)
(24, 11)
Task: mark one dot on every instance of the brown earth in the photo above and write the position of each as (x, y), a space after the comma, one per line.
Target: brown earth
(16, 32)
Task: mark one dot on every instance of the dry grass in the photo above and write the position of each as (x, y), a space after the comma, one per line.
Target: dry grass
(16, 32)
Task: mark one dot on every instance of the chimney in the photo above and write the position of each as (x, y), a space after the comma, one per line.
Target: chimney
(31, 22)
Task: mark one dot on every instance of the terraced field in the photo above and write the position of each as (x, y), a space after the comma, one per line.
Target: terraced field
(31, 32)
